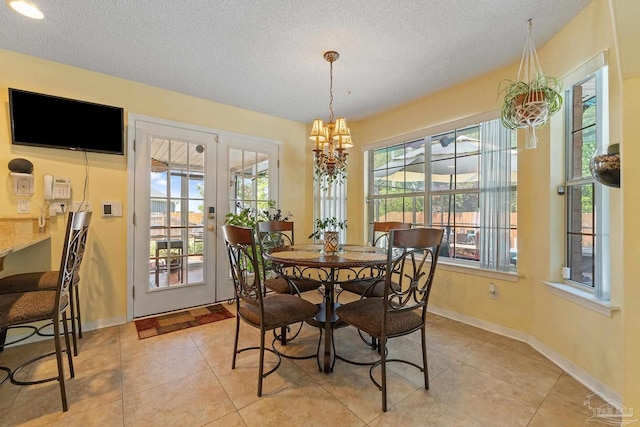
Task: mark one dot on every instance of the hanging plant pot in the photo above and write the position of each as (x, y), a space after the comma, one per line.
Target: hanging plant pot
(532, 98)
(605, 168)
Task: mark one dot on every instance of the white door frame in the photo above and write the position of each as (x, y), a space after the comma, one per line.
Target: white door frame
(221, 209)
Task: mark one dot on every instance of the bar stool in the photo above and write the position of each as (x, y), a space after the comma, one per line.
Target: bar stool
(46, 281)
(33, 306)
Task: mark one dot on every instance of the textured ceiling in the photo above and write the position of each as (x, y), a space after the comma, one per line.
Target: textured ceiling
(266, 55)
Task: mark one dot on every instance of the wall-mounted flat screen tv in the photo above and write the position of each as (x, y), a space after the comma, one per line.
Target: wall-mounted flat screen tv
(50, 121)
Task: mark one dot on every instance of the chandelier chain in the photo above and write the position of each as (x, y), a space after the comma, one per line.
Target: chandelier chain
(331, 91)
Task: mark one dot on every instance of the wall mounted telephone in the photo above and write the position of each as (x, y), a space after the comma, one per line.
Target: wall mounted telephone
(56, 188)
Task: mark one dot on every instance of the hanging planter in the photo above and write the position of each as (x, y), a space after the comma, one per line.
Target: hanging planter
(532, 98)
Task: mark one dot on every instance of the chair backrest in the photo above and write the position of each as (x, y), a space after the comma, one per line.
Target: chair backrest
(273, 234)
(412, 257)
(75, 242)
(243, 261)
(381, 231)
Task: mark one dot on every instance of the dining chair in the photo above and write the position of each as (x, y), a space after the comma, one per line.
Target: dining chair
(375, 288)
(48, 280)
(264, 312)
(274, 234)
(412, 257)
(38, 305)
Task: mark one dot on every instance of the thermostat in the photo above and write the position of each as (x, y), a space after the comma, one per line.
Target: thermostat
(111, 208)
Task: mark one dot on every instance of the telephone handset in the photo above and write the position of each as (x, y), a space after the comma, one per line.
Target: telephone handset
(56, 188)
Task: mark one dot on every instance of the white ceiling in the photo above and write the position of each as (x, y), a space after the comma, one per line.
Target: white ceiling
(266, 55)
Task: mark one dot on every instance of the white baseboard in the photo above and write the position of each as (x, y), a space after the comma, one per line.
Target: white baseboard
(579, 374)
(89, 326)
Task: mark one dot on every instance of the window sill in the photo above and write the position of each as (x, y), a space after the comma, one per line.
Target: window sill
(583, 298)
(477, 271)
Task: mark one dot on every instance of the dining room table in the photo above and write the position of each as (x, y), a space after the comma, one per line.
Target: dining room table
(310, 262)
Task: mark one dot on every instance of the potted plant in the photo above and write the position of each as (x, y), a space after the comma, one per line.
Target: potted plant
(530, 99)
(328, 229)
(530, 103)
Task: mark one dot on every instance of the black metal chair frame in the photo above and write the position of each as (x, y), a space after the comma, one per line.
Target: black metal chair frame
(74, 244)
(249, 289)
(75, 318)
(383, 229)
(412, 257)
(272, 234)
(74, 295)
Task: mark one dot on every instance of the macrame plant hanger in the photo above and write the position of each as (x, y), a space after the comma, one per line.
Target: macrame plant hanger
(534, 110)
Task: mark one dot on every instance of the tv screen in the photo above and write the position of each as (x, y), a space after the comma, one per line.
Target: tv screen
(54, 122)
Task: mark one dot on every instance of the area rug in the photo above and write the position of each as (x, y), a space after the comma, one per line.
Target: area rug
(165, 323)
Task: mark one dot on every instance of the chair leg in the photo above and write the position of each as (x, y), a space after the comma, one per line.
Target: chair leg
(3, 338)
(383, 371)
(79, 317)
(65, 328)
(72, 293)
(261, 368)
(56, 341)
(235, 343)
(424, 358)
(283, 335)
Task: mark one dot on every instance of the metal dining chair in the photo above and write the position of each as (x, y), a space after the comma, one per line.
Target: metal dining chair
(21, 308)
(260, 311)
(275, 234)
(412, 257)
(375, 288)
(48, 281)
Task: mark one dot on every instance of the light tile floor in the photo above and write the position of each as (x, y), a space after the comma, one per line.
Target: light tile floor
(185, 379)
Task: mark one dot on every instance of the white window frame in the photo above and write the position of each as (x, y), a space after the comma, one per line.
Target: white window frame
(597, 68)
(451, 127)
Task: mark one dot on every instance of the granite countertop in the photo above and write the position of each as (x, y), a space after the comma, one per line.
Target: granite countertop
(18, 233)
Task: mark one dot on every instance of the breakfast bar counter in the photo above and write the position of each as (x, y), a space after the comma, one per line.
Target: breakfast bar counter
(19, 233)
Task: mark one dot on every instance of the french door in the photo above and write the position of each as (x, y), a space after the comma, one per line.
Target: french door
(185, 181)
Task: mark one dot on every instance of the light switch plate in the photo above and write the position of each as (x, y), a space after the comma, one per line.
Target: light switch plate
(23, 206)
(111, 208)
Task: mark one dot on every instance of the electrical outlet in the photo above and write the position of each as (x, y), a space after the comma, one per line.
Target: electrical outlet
(57, 208)
(494, 292)
(86, 206)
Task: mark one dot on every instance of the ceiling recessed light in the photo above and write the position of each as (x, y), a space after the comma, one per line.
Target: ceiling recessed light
(27, 9)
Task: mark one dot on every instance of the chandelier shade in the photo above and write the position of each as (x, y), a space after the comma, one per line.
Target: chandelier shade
(333, 138)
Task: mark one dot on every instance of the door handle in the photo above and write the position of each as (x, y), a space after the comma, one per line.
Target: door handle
(211, 227)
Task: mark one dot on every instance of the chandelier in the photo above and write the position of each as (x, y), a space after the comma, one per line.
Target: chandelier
(331, 139)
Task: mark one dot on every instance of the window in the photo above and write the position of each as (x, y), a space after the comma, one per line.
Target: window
(330, 198)
(464, 180)
(249, 180)
(586, 201)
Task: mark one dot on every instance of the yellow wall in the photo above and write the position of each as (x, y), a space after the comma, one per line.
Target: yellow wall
(104, 268)
(631, 202)
(590, 340)
(606, 348)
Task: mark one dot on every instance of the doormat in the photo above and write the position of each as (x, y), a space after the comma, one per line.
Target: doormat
(165, 323)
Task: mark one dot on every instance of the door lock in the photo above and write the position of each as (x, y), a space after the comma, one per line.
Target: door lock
(211, 228)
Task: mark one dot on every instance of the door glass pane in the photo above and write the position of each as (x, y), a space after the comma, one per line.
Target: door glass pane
(250, 173)
(177, 245)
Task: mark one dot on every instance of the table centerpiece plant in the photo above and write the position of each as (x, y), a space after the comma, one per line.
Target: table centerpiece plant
(327, 228)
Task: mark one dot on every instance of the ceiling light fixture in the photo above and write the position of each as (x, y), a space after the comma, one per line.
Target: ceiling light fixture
(331, 139)
(24, 8)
